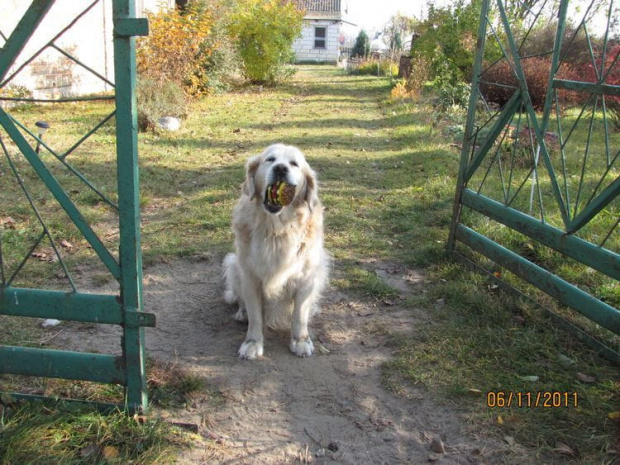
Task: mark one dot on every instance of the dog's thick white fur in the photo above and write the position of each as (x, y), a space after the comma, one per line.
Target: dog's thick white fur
(279, 268)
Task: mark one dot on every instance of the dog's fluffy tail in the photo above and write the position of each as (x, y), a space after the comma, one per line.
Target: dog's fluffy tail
(231, 278)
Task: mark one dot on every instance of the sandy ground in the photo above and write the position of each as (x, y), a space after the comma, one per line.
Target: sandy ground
(329, 408)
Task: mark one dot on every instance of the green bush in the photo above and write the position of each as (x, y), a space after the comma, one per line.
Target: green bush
(220, 67)
(13, 91)
(447, 40)
(157, 99)
(378, 68)
(264, 31)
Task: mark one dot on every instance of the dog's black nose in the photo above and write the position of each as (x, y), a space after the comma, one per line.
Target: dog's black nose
(280, 170)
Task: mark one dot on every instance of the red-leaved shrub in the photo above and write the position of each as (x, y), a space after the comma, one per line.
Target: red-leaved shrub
(498, 82)
(594, 72)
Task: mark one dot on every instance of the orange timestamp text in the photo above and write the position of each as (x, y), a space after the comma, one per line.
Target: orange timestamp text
(536, 399)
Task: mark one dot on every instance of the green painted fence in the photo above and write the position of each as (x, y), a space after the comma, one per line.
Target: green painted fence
(539, 187)
(19, 144)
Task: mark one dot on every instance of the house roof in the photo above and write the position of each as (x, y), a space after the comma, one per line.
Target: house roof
(320, 9)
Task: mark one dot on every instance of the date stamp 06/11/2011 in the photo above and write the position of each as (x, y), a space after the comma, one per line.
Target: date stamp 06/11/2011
(536, 399)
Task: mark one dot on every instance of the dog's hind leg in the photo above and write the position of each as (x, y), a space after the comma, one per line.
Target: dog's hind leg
(232, 283)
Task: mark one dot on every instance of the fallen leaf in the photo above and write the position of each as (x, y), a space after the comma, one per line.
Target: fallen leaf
(40, 255)
(110, 452)
(323, 350)
(475, 391)
(500, 420)
(509, 440)
(8, 222)
(564, 360)
(529, 378)
(585, 378)
(66, 244)
(563, 449)
(613, 415)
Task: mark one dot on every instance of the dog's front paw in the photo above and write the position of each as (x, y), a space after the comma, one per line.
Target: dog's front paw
(303, 348)
(250, 350)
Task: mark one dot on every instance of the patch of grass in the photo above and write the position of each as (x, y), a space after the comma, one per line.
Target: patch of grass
(485, 342)
(172, 386)
(357, 279)
(34, 433)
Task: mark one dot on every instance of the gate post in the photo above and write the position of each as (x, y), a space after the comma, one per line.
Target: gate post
(126, 26)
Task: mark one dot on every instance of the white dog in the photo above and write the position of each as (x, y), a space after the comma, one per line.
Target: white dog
(279, 268)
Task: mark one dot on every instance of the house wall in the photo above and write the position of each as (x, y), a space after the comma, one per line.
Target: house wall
(53, 75)
(304, 46)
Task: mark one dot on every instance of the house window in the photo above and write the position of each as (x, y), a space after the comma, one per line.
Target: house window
(320, 37)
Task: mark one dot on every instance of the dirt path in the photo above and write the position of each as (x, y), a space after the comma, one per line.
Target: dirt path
(330, 408)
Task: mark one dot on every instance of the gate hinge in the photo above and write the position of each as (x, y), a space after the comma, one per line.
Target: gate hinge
(128, 27)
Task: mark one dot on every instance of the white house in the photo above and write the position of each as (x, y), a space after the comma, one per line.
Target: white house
(321, 36)
(47, 66)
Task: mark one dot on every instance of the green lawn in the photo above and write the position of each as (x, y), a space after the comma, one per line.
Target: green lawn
(387, 177)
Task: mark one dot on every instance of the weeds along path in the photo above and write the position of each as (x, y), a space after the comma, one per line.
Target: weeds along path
(332, 407)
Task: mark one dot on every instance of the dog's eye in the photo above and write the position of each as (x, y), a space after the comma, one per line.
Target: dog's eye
(271, 159)
(294, 163)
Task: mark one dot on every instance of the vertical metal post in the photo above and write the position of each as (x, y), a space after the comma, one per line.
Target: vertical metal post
(128, 193)
(471, 119)
(555, 61)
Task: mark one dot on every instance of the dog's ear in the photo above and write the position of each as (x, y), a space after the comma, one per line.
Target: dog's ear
(249, 186)
(311, 194)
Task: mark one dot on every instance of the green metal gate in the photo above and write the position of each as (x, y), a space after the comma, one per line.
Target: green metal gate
(22, 147)
(539, 187)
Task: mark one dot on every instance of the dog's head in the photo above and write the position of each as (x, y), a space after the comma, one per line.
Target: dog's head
(280, 163)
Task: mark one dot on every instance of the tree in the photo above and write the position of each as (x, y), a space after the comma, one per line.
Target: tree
(398, 27)
(264, 31)
(362, 45)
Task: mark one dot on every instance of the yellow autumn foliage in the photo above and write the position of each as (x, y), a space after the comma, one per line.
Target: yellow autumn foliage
(177, 47)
